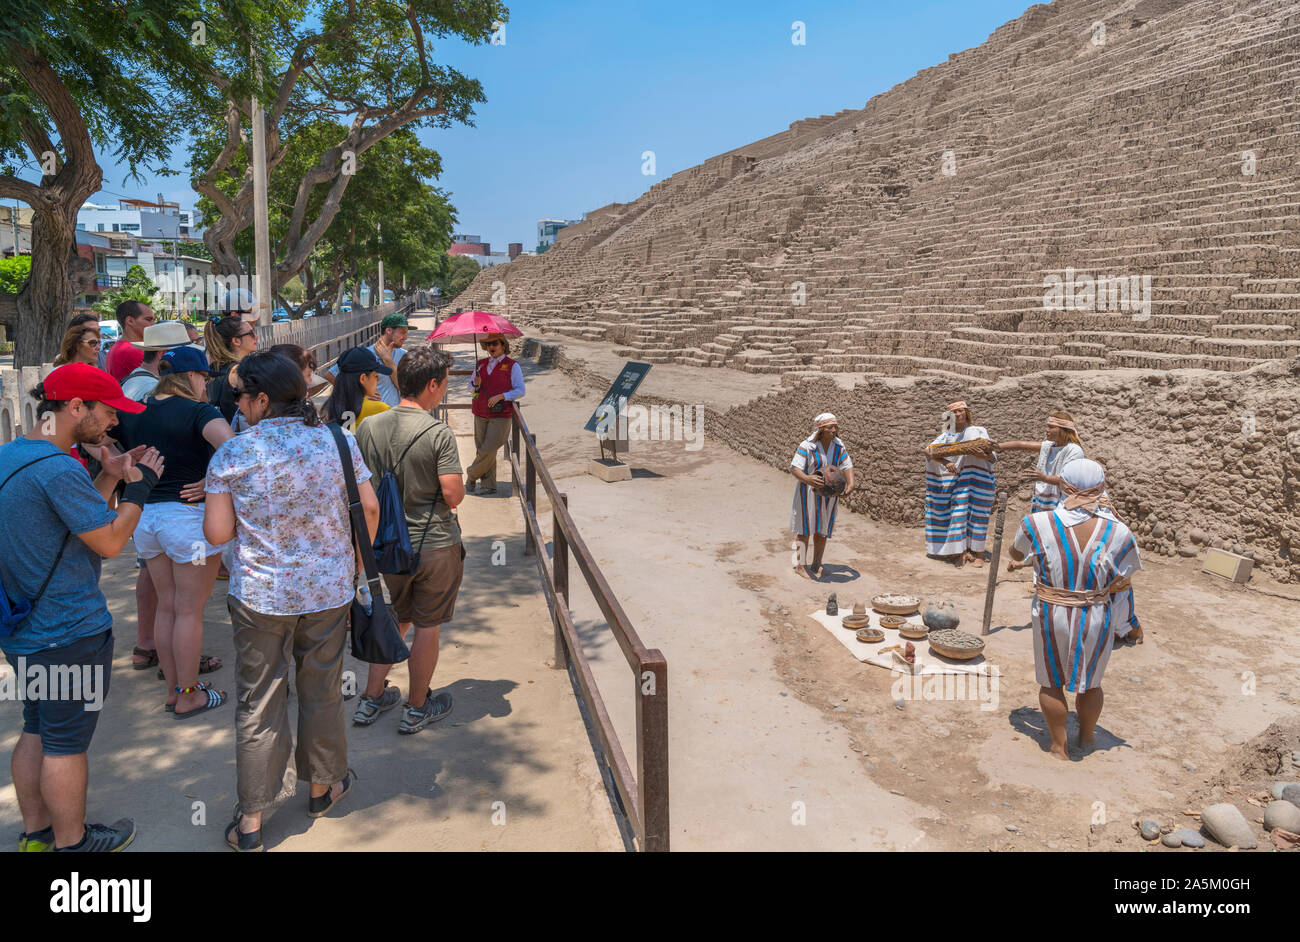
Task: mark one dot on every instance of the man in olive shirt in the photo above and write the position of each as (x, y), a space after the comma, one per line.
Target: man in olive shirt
(432, 484)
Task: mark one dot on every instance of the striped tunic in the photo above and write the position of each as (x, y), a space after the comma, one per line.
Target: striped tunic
(1050, 461)
(957, 506)
(812, 513)
(1073, 644)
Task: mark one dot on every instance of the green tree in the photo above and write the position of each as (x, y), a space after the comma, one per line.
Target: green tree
(13, 272)
(105, 74)
(371, 62)
(542, 247)
(136, 286)
(461, 271)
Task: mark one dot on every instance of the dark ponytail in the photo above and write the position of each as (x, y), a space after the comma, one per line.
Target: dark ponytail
(282, 381)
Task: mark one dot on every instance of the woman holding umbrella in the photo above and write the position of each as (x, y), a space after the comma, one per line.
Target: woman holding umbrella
(496, 383)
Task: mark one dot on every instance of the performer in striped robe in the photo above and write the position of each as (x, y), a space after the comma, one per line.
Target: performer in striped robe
(812, 513)
(959, 491)
(1083, 558)
(1059, 448)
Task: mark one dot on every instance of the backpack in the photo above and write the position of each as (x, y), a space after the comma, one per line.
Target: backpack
(14, 612)
(392, 546)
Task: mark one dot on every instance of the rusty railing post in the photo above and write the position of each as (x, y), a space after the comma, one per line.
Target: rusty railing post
(560, 569)
(530, 496)
(652, 750)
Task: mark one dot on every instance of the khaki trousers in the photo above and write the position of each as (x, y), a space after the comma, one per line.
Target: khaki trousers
(263, 740)
(490, 436)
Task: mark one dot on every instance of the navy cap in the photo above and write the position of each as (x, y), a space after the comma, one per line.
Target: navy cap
(185, 360)
(362, 360)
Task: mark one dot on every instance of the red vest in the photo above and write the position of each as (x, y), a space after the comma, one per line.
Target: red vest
(493, 384)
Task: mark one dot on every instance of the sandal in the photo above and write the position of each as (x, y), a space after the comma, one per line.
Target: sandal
(151, 657)
(207, 664)
(215, 699)
(240, 842)
(323, 803)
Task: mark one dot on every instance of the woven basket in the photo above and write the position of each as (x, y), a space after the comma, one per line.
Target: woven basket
(884, 607)
(957, 654)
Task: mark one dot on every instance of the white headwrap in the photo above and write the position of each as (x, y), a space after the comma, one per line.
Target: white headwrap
(1085, 488)
(826, 418)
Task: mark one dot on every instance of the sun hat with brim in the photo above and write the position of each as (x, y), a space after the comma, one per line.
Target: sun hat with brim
(186, 359)
(164, 335)
(393, 320)
(89, 384)
(362, 360)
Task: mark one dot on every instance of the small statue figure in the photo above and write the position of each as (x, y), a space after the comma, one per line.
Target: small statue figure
(832, 606)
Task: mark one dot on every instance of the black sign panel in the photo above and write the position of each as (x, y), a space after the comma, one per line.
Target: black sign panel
(624, 385)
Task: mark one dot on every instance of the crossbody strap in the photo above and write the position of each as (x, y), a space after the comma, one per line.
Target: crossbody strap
(66, 536)
(437, 495)
(358, 515)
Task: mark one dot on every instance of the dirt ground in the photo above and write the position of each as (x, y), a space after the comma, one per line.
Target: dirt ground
(782, 740)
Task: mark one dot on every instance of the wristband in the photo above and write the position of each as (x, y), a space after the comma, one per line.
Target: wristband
(137, 492)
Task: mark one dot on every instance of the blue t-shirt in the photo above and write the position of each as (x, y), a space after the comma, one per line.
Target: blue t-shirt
(38, 507)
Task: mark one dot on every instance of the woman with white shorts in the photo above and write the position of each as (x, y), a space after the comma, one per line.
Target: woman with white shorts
(186, 429)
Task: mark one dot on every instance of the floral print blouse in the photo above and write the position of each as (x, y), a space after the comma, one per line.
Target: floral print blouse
(293, 542)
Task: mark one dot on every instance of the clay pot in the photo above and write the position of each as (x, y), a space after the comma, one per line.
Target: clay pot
(941, 616)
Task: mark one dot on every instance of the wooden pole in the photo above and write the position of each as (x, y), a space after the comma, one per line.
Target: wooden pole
(993, 563)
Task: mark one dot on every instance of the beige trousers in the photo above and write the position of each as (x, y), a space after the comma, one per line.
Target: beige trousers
(264, 645)
(490, 436)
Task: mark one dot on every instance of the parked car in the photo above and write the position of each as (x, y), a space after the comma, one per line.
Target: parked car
(279, 314)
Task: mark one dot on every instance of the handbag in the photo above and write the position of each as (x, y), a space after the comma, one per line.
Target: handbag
(376, 638)
(14, 611)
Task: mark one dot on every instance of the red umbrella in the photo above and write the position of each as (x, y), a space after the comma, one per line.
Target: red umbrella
(466, 326)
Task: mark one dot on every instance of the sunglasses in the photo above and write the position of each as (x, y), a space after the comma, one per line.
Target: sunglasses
(492, 343)
(91, 343)
(248, 333)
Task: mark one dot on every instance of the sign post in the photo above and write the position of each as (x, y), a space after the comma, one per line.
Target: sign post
(609, 422)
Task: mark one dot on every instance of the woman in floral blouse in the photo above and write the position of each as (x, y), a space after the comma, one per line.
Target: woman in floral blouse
(279, 491)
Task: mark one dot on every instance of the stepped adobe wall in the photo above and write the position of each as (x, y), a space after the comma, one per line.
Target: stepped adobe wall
(956, 231)
(841, 245)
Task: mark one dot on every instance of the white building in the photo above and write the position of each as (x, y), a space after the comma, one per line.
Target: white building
(141, 218)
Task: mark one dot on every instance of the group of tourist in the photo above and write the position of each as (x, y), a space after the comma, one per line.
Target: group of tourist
(218, 464)
(1083, 555)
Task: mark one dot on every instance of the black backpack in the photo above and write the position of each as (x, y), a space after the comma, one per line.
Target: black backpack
(392, 546)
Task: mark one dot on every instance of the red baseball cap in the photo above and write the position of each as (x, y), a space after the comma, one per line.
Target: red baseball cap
(88, 383)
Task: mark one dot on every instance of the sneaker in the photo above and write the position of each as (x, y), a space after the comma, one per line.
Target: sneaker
(102, 839)
(434, 709)
(36, 842)
(368, 709)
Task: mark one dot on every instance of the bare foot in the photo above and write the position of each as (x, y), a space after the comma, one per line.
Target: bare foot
(815, 572)
(1060, 754)
(977, 561)
(801, 572)
(1087, 745)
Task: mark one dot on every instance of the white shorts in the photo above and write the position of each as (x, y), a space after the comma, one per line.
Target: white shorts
(175, 529)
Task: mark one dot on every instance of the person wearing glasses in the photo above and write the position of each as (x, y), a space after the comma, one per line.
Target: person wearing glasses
(80, 343)
(497, 382)
(228, 340)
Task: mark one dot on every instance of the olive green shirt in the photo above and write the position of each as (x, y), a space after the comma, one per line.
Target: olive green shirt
(383, 437)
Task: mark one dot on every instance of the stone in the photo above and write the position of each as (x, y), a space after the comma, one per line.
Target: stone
(1189, 766)
(1190, 838)
(1186, 549)
(1292, 794)
(1149, 830)
(940, 617)
(1172, 840)
(1282, 814)
(1228, 826)
(1013, 829)
(1278, 789)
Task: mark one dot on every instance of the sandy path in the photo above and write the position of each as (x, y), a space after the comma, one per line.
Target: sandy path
(767, 709)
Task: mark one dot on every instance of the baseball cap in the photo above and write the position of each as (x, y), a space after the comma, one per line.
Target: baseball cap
(393, 320)
(88, 383)
(186, 359)
(362, 360)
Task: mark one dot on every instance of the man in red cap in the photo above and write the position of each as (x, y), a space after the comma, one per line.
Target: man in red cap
(55, 628)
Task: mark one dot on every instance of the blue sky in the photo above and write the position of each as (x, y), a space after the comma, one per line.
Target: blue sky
(580, 89)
